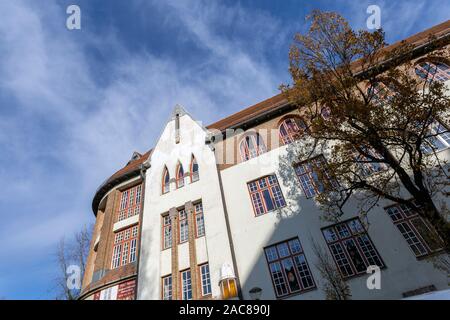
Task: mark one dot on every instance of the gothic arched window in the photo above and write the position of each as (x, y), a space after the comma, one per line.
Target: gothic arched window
(165, 181)
(194, 170)
(180, 176)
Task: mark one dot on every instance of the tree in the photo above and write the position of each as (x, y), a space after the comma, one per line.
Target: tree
(335, 286)
(375, 120)
(74, 253)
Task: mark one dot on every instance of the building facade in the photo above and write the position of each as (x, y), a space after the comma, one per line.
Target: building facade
(216, 212)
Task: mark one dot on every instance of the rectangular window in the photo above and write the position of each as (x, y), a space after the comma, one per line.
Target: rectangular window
(199, 220)
(351, 247)
(167, 287)
(186, 285)
(130, 203)
(367, 165)
(418, 233)
(125, 247)
(265, 194)
(288, 268)
(206, 280)
(313, 176)
(167, 232)
(116, 256)
(183, 222)
(438, 138)
(133, 250)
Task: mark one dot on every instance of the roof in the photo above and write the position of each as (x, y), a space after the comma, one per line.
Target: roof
(241, 117)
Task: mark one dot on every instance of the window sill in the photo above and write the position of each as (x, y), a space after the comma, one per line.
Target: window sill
(430, 255)
(269, 212)
(296, 293)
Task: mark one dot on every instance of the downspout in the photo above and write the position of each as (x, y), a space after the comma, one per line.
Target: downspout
(143, 169)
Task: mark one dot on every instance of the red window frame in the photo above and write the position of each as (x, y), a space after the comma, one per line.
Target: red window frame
(299, 263)
(182, 284)
(290, 129)
(408, 221)
(198, 214)
(165, 181)
(163, 296)
(429, 71)
(182, 218)
(248, 153)
(351, 231)
(265, 185)
(125, 245)
(194, 175)
(368, 168)
(306, 172)
(130, 203)
(180, 176)
(166, 224)
(205, 282)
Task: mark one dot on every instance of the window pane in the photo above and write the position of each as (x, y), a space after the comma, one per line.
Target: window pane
(206, 281)
(283, 250)
(278, 279)
(291, 276)
(303, 271)
(271, 254)
(355, 256)
(295, 246)
(330, 234)
(268, 200)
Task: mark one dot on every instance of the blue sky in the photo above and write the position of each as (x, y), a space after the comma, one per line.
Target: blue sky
(74, 105)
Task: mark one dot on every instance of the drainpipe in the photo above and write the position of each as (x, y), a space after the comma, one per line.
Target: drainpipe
(142, 172)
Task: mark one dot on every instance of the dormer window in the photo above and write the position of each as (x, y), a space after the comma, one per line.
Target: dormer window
(165, 181)
(180, 176)
(194, 170)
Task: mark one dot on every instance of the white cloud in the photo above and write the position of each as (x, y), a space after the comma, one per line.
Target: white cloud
(64, 133)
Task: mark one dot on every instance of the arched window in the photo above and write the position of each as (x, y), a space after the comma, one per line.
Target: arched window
(251, 146)
(165, 181)
(380, 93)
(194, 170)
(325, 112)
(180, 176)
(430, 71)
(290, 129)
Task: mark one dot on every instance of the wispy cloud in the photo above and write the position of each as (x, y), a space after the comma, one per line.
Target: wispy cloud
(63, 132)
(75, 104)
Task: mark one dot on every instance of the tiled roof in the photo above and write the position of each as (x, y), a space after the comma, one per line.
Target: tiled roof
(257, 110)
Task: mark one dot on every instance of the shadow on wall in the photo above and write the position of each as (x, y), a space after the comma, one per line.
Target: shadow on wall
(302, 218)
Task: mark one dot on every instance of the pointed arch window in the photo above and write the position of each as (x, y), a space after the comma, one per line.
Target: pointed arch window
(430, 71)
(251, 146)
(290, 129)
(180, 176)
(194, 170)
(165, 181)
